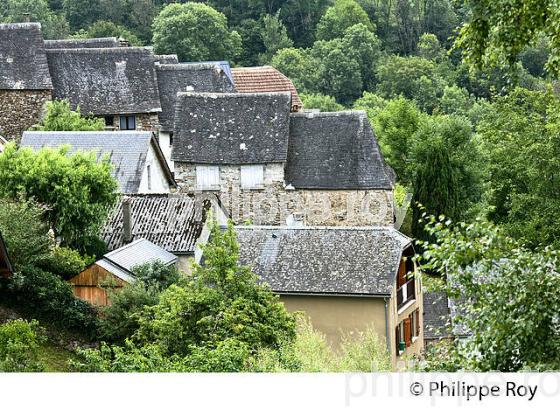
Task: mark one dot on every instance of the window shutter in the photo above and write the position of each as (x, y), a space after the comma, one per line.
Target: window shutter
(417, 313)
(401, 277)
(252, 176)
(207, 177)
(397, 339)
(407, 332)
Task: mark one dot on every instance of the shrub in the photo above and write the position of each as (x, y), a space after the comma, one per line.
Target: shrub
(60, 117)
(157, 274)
(19, 345)
(64, 262)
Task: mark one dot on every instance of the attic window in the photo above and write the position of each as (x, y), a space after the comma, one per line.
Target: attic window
(207, 178)
(252, 176)
(128, 122)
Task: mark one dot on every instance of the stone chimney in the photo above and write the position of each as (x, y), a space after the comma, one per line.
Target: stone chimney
(127, 219)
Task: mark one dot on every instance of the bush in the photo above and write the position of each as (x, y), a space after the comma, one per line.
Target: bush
(60, 117)
(64, 262)
(19, 345)
(325, 103)
(156, 274)
(44, 295)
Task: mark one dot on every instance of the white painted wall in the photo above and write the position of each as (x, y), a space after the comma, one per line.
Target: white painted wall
(157, 183)
(165, 145)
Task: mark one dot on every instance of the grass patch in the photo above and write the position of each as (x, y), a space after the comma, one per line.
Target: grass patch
(55, 358)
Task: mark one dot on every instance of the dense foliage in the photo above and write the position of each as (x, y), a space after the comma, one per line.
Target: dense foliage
(19, 345)
(60, 117)
(76, 189)
(508, 298)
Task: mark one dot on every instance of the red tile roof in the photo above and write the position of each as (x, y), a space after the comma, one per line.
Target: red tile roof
(264, 79)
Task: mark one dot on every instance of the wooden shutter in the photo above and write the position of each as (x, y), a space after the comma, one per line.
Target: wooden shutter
(252, 176)
(207, 177)
(407, 332)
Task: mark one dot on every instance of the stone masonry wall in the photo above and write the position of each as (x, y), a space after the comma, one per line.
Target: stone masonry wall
(274, 204)
(144, 122)
(20, 110)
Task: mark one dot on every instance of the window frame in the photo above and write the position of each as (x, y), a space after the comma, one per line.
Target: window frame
(127, 120)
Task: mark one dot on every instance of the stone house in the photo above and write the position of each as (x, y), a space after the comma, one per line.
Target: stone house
(234, 145)
(265, 79)
(116, 269)
(345, 279)
(272, 168)
(138, 163)
(118, 84)
(175, 78)
(175, 222)
(25, 82)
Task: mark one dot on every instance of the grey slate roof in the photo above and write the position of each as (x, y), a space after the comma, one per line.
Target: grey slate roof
(23, 62)
(323, 260)
(127, 150)
(169, 221)
(101, 42)
(231, 128)
(105, 81)
(121, 261)
(335, 151)
(174, 78)
(437, 317)
(166, 58)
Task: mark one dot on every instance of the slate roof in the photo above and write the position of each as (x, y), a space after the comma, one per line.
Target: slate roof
(23, 62)
(127, 150)
(231, 128)
(265, 79)
(335, 151)
(323, 260)
(437, 317)
(120, 262)
(101, 42)
(166, 58)
(105, 81)
(174, 78)
(169, 221)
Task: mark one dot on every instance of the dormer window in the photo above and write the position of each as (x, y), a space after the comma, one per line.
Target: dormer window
(207, 178)
(252, 176)
(127, 122)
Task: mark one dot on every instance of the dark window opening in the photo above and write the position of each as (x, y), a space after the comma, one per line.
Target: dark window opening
(128, 122)
(170, 139)
(109, 120)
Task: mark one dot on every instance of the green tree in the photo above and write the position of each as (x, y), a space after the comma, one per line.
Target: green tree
(520, 144)
(342, 15)
(455, 100)
(53, 25)
(508, 297)
(104, 28)
(365, 48)
(497, 31)
(81, 13)
(298, 65)
(222, 301)
(274, 37)
(412, 77)
(77, 189)
(195, 32)
(325, 103)
(429, 47)
(60, 117)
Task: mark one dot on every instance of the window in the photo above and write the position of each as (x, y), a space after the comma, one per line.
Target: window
(207, 178)
(128, 122)
(170, 139)
(149, 171)
(252, 176)
(415, 323)
(109, 120)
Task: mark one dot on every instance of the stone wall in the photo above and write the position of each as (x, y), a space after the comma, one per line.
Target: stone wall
(20, 110)
(274, 204)
(144, 122)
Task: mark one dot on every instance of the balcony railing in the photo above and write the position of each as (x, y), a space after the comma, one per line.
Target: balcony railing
(406, 293)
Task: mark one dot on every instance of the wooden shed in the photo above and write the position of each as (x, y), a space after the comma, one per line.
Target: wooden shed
(115, 270)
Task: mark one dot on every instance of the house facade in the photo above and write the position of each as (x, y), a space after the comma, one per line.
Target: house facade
(117, 84)
(25, 83)
(271, 167)
(138, 163)
(346, 280)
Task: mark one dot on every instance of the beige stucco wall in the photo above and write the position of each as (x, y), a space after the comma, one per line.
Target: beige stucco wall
(273, 204)
(338, 315)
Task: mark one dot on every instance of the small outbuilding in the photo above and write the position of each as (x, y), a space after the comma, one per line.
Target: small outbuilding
(116, 269)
